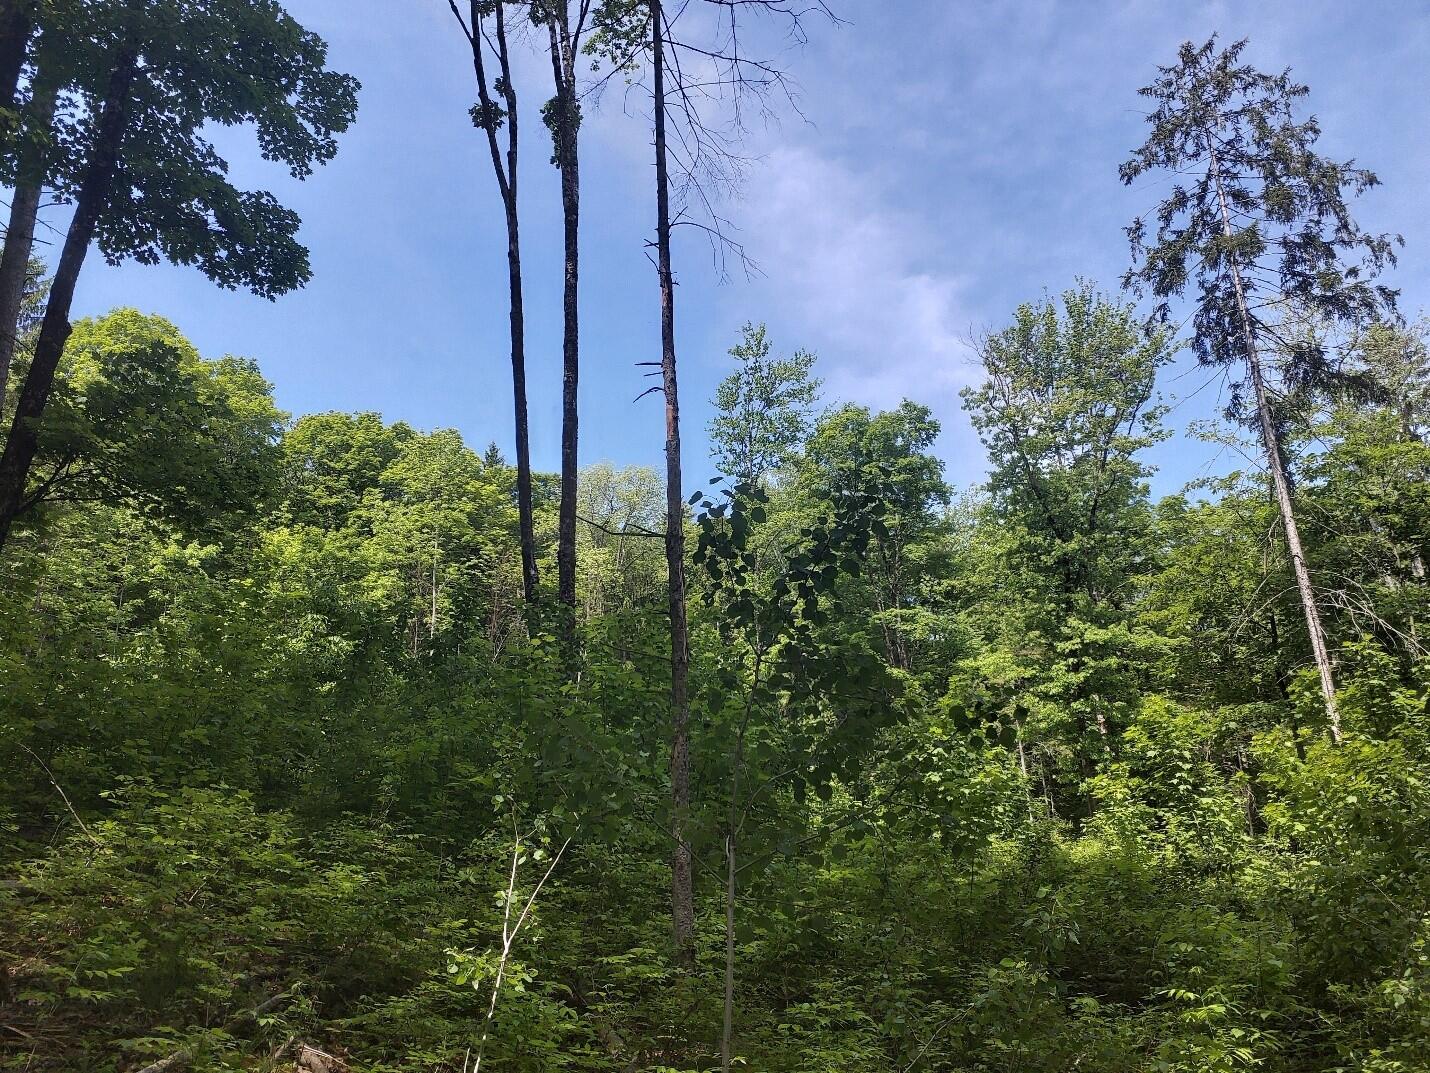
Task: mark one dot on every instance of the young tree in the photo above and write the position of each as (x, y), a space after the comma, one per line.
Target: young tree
(764, 409)
(490, 116)
(151, 185)
(1262, 226)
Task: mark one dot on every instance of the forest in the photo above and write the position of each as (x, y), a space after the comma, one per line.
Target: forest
(332, 743)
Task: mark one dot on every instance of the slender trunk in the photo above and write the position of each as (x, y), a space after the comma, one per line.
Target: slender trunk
(682, 890)
(1281, 485)
(20, 234)
(564, 69)
(530, 576)
(432, 621)
(506, 176)
(23, 439)
(728, 1031)
(1023, 769)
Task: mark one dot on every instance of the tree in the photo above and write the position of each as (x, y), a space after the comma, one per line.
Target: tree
(682, 879)
(490, 116)
(703, 156)
(1397, 360)
(889, 454)
(764, 409)
(1263, 227)
(151, 186)
(34, 151)
(1066, 405)
(17, 22)
(563, 117)
(333, 460)
(621, 513)
(792, 706)
(138, 418)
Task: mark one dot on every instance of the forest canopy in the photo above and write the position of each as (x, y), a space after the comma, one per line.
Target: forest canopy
(335, 743)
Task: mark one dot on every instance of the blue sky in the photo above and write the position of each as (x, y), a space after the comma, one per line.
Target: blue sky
(955, 157)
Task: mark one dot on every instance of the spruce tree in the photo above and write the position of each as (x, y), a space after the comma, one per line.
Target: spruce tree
(1259, 220)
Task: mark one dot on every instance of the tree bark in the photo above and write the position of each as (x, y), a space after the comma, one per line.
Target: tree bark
(20, 233)
(17, 20)
(506, 176)
(682, 889)
(23, 439)
(563, 62)
(727, 1034)
(1280, 483)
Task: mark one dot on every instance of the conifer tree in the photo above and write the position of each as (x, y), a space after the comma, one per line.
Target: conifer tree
(1259, 220)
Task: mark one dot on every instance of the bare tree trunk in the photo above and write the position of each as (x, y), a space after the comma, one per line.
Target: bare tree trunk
(23, 439)
(682, 889)
(563, 62)
(1280, 484)
(506, 176)
(530, 578)
(728, 1029)
(20, 234)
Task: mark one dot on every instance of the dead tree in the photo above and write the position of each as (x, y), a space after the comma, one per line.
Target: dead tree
(486, 29)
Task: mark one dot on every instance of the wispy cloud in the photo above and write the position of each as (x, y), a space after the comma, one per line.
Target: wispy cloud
(855, 278)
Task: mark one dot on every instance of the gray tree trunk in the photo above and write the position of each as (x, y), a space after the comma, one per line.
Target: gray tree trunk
(1281, 484)
(20, 233)
(682, 888)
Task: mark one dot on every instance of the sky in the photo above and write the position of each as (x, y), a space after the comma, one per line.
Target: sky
(945, 161)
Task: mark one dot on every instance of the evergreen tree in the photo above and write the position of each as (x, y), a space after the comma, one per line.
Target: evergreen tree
(1262, 228)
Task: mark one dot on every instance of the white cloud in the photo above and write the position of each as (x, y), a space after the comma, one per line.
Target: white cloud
(855, 279)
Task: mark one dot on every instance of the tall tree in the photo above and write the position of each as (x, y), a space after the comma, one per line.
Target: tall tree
(704, 155)
(1066, 405)
(151, 186)
(682, 888)
(1262, 226)
(33, 144)
(764, 409)
(563, 116)
(854, 450)
(490, 116)
(138, 418)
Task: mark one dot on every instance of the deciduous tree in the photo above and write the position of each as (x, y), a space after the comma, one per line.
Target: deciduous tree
(151, 186)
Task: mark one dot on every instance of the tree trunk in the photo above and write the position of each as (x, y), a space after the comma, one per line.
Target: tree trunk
(564, 68)
(727, 1034)
(23, 440)
(530, 576)
(17, 20)
(506, 177)
(1280, 483)
(682, 890)
(20, 234)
